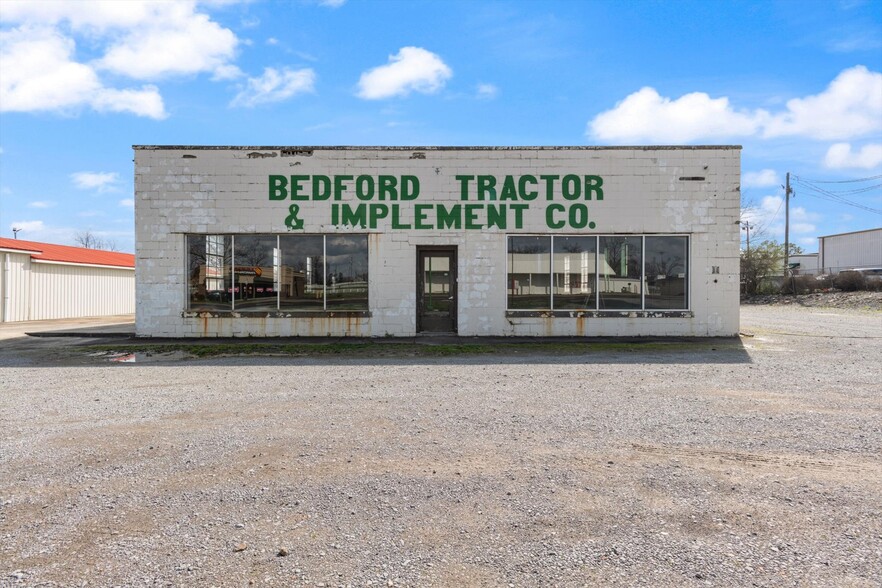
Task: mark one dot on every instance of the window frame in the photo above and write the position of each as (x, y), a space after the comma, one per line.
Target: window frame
(596, 310)
(276, 262)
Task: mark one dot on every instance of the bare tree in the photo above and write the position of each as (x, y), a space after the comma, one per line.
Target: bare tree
(89, 240)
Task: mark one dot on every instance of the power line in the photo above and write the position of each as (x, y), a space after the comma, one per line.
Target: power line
(798, 178)
(837, 197)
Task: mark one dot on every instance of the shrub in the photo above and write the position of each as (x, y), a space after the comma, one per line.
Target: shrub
(850, 280)
(800, 285)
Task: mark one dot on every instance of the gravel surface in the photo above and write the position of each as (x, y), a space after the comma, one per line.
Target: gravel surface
(736, 463)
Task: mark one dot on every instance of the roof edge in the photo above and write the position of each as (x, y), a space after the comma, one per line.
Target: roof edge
(434, 148)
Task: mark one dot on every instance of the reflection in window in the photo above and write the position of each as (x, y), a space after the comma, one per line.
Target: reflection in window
(529, 266)
(254, 285)
(666, 273)
(346, 282)
(621, 267)
(209, 267)
(302, 275)
(574, 272)
(288, 272)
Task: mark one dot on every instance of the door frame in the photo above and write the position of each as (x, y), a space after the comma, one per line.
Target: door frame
(452, 251)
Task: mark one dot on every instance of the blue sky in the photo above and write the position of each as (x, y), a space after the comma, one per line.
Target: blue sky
(798, 84)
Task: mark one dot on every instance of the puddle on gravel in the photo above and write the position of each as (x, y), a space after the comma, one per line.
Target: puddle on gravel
(139, 356)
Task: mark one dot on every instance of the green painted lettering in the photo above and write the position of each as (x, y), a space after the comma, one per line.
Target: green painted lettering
(388, 188)
(464, 186)
(509, 192)
(593, 186)
(522, 187)
(354, 216)
(335, 214)
(496, 216)
(339, 186)
(519, 209)
(296, 187)
(278, 187)
(471, 213)
(571, 187)
(410, 187)
(578, 216)
(486, 188)
(449, 219)
(378, 211)
(396, 218)
(419, 216)
(321, 187)
(549, 216)
(549, 186)
(364, 187)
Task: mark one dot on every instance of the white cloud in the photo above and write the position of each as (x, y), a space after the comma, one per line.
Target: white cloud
(41, 204)
(101, 181)
(332, 3)
(127, 203)
(767, 219)
(840, 156)
(272, 41)
(140, 39)
(850, 106)
(275, 86)
(173, 40)
(487, 91)
(647, 116)
(39, 74)
(412, 69)
(28, 226)
(761, 179)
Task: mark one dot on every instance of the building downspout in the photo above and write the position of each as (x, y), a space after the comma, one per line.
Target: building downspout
(4, 295)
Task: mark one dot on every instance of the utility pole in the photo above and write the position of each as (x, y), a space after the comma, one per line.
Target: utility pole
(15, 232)
(746, 225)
(787, 192)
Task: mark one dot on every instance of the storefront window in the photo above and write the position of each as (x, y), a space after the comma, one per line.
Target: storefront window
(302, 275)
(666, 273)
(574, 272)
(284, 272)
(209, 272)
(346, 266)
(621, 267)
(598, 273)
(254, 277)
(529, 273)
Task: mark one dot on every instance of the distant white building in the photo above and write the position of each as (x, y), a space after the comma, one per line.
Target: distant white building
(860, 249)
(40, 281)
(804, 264)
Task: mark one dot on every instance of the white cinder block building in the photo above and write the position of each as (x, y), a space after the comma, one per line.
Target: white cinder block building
(41, 281)
(503, 241)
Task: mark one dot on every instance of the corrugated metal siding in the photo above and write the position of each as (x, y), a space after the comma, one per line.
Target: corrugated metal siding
(17, 286)
(862, 249)
(63, 291)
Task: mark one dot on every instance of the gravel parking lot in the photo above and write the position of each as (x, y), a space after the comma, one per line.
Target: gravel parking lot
(751, 462)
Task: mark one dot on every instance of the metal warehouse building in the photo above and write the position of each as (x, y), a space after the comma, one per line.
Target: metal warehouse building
(399, 241)
(40, 281)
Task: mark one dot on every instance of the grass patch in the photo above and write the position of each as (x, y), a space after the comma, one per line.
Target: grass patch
(386, 349)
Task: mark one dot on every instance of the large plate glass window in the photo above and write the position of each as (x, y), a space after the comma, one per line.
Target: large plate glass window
(209, 278)
(346, 277)
(254, 285)
(574, 272)
(529, 277)
(620, 275)
(666, 273)
(302, 273)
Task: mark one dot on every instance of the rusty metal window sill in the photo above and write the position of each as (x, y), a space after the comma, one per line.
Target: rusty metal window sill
(281, 314)
(599, 314)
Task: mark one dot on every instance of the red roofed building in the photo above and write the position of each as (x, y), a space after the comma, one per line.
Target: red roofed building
(40, 281)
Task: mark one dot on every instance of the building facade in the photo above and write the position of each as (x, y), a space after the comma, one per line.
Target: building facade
(398, 241)
(42, 281)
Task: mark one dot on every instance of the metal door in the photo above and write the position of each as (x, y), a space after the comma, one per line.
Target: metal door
(436, 289)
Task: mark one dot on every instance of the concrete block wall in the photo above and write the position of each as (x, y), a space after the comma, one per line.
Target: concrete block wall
(692, 191)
